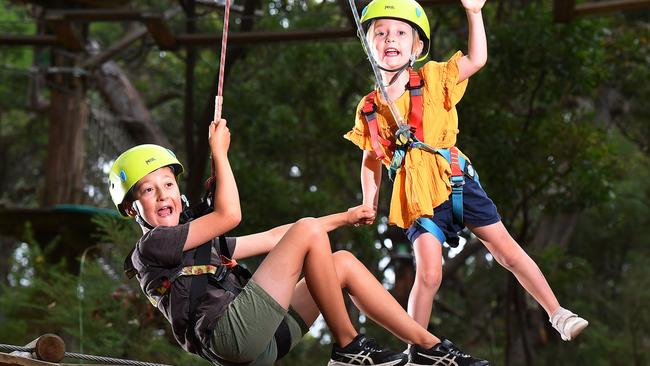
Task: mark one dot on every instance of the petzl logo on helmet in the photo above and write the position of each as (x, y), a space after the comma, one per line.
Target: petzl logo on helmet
(389, 7)
(150, 160)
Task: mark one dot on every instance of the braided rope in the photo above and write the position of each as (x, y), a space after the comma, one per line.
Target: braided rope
(222, 63)
(81, 356)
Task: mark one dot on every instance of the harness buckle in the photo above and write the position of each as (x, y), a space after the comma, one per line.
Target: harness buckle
(369, 111)
(457, 181)
(413, 87)
(222, 272)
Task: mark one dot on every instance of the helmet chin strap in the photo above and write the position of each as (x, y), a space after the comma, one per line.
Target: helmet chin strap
(398, 70)
(138, 217)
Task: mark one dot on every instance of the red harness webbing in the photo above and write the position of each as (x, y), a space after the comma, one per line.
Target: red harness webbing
(369, 112)
(417, 106)
(455, 166)
(415, 115)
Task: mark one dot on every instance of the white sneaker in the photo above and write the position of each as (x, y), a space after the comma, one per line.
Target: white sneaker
(568, 324)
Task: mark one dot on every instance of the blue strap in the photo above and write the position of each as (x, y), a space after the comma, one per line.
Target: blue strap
(430, 226)
(457, 182)
(396, 163)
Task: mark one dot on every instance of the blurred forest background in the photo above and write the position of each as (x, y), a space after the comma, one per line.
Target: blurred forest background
(556, 123)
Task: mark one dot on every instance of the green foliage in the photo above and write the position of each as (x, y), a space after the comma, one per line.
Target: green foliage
(116, 320)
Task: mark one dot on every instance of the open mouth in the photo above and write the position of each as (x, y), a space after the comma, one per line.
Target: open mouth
(165, 211)
(391, 52)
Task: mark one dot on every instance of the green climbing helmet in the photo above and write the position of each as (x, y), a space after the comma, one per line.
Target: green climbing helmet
(407, 10)
(134, 164)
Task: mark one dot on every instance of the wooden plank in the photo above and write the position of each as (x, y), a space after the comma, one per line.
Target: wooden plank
(610, 6)
(11, 360)
(160, 32)
(563, 10)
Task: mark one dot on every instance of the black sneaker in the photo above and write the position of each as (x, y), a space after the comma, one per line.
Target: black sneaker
(444, 353)
(365, 351)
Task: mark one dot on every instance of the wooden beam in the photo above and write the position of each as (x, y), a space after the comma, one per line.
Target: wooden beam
(563, 10)
(160, 32)
(96, 14)
(64, 32)
(209, 40)
(124, 42)
(93, 3)
(610, 6)
(200, 40)
(40, 40)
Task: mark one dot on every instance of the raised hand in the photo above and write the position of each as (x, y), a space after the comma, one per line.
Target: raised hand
(219, 137)
(473, 6)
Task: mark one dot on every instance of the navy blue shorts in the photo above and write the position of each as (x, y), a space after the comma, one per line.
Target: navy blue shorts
(478, 210)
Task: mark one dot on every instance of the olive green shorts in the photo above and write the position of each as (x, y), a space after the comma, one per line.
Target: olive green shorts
(244, 334)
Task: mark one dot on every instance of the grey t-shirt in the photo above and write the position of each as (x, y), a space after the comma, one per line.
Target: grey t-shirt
(157, 256)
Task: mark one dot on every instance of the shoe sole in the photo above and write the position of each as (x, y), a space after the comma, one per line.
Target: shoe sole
(474, 364)
(578, 328)
(390, 363)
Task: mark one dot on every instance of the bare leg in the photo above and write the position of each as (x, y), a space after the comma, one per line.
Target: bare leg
(305, 247)
(428, 276)
(370, 297)
(512, 257)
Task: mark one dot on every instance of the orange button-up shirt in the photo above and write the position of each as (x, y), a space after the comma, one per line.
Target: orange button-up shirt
(423, 181)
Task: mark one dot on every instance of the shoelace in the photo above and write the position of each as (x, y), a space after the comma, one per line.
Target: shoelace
(457, 352)
(371, 345)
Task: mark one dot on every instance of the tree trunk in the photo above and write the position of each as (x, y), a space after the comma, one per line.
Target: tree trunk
(68, 114)
(125, 101)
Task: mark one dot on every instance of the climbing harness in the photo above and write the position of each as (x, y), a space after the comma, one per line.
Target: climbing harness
(413, 137)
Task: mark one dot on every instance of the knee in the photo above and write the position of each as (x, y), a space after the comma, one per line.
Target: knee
(311, 230)
(344, 259)
(429, 278)
(346, 266)
(510, 257)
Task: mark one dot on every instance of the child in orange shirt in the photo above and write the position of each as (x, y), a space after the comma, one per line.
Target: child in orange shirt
(436, 190)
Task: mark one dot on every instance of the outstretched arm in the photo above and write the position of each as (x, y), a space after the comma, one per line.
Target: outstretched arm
(476, 56)
(260, 243)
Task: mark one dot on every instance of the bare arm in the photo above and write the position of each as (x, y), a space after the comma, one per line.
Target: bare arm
(370, 179)
(476, 56)
(260, 243)
(227, 211)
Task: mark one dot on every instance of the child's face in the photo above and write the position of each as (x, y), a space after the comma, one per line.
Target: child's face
(393, 42)
(158, 198)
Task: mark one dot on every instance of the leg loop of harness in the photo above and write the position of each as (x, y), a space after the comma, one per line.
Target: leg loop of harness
(460, 168)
